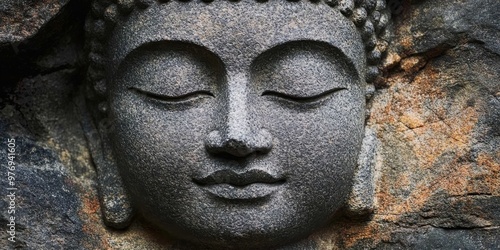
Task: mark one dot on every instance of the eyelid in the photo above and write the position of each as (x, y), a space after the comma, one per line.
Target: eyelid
(166, 98)
(303, 99)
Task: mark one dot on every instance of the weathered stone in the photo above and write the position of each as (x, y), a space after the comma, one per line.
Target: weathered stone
(46, 199)
(435, 114)
(22, 19)
(224, 95)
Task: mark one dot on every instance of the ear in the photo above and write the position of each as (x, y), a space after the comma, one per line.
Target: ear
(361, 202)
(116, 206)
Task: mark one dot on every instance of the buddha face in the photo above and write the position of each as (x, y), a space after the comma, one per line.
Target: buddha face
(237, 129)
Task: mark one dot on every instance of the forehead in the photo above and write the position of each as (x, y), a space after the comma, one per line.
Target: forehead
(237, 32)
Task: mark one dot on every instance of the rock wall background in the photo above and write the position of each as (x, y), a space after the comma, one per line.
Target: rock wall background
(436, 113)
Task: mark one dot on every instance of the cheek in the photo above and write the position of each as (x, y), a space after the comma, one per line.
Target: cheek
(338, 122)
(321, 144)
(153, 145)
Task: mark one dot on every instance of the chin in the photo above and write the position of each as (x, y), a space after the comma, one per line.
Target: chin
(245, 238)
(244, 231)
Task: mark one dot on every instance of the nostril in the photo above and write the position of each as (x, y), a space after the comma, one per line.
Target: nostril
(238, 146)
(230, 156)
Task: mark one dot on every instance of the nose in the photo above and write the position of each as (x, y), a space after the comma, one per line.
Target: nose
(238, 133)
(241, 145)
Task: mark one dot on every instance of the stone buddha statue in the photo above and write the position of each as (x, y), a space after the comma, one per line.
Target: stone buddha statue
(232, 124)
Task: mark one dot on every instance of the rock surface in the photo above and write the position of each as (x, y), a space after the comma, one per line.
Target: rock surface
(21, 20)
(436, 113)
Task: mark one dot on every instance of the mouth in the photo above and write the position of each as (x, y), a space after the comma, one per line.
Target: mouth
(249, 185)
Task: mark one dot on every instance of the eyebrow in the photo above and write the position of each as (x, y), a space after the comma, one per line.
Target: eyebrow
(171, 45)
(307, 44)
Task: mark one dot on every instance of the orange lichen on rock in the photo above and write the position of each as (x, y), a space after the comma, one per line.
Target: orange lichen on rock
(405, 38)
(405, 99)
(135, 237)
(412, 64)
(348, 234)
(435, 128)
(412, 120)
(90, 205)
(90, 213)
(491, 176)
(353, 235)
(391, 60)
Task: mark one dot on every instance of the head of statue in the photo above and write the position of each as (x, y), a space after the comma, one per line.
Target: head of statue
(230, 123)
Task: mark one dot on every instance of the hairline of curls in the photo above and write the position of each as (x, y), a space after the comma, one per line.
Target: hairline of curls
(371, 17)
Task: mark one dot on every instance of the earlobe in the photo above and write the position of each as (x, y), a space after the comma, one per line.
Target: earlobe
(116, 207)
(361, 202)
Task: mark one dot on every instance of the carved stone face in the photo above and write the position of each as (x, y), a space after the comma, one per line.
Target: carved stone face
(237, 123)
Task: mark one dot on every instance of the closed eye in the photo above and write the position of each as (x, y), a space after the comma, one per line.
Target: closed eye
(302, 99)
(172, 99)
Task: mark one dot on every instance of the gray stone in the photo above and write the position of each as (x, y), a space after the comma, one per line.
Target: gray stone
(432, 144)
(229, 130)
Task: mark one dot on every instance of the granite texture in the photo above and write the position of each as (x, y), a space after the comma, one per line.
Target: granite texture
(232, 130)
(434, 117)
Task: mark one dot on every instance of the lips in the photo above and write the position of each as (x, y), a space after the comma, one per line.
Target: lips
(252, 184)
